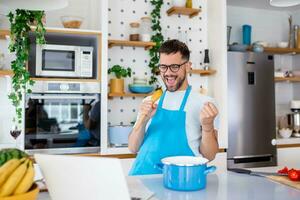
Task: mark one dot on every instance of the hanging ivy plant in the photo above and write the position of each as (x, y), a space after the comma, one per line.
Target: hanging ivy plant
(157, 37)
(20, 21)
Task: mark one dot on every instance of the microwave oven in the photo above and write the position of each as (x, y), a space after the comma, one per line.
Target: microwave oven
(64, 61)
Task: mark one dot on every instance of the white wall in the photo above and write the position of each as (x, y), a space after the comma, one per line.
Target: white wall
(269, 26)
(217, 44)
(90, 10)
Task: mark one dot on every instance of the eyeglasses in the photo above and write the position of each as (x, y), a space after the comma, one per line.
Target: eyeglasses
(173, 67)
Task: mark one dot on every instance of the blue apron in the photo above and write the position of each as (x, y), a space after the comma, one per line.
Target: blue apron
(166, 136)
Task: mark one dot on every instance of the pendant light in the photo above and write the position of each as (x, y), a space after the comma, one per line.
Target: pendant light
(45, 5)
(284, 3)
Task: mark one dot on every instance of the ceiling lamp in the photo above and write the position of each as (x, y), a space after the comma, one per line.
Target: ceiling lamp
(45, 5)
(284, 3)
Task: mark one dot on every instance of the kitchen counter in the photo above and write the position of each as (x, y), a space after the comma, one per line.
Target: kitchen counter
(221, 185)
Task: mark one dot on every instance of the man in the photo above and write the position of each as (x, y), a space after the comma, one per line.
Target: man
(91, 120)
(180, 123)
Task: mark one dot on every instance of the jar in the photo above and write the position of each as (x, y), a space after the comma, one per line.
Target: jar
(134, 31)
(189, 4)
(145, 29)
(298, 39)
(2, 61)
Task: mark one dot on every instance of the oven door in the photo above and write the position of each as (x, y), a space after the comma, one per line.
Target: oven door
(57, 123)
(57, 61)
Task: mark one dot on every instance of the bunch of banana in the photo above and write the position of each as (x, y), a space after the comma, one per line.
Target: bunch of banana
(16, 177)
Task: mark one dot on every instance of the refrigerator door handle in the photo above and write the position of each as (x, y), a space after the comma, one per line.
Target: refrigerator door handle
(252, 158)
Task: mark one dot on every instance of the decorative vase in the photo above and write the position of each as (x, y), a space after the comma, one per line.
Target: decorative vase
(117, 86)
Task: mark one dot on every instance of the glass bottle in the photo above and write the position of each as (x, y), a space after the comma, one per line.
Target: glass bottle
(145, 30)
(134, 31)
(206, 60)
(189, 4)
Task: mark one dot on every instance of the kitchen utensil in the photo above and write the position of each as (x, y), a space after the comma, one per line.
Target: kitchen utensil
(290, 41)
(185, 173)
(238, 47)
(135, 88)
(228, 35)
(118, 135)
(285, 132)
(255, 173)
(71, 21)
(258, 48)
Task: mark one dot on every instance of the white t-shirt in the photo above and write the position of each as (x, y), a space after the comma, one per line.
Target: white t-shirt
(194, 104)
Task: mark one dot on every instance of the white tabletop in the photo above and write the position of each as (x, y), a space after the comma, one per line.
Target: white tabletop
(222, 185)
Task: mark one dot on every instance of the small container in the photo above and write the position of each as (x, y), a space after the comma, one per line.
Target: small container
(145, 30)
(71, 21)
(206, 60)
(134, 31)
(189, 4)
(298, 39)
(295, 33)
(247, 34)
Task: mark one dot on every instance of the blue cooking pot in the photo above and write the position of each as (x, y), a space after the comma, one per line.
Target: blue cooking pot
(185, 173)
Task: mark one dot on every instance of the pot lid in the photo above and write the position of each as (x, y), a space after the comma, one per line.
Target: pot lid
(184, 160)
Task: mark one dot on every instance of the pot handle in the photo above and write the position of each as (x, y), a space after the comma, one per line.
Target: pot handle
(159, 166)
(210, 169)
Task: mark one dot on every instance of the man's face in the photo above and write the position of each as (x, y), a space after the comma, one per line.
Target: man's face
(173, 80)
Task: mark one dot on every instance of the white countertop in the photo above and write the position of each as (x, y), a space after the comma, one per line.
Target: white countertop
(222, 185)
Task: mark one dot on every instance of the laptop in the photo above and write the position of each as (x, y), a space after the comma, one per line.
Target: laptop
(92, 178)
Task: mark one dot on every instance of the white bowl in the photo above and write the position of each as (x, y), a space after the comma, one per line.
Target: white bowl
(282, 44)
(71, 21)
(285, 132)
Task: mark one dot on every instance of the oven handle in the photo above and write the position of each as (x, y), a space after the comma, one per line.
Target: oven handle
(62, 97)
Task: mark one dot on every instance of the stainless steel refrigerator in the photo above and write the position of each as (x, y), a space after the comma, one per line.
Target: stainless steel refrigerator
(251, 110)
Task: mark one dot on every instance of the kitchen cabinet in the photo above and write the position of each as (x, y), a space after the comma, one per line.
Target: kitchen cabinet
(288, 157)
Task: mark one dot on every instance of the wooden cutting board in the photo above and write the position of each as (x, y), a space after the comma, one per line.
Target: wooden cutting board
(286, 181)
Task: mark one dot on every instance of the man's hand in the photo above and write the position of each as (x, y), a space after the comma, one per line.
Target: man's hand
(148, 108)
(207, 116)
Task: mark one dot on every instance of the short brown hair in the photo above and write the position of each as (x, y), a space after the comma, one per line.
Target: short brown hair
(174, 46)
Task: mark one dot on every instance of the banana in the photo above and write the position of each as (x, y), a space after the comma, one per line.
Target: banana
(27, 181)
(13, 180)
(7, 169)
(155, 96)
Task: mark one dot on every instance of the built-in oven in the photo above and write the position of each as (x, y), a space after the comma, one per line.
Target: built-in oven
(57, 121)
(54, 60)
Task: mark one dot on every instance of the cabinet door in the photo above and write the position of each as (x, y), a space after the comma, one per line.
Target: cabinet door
(289, 157)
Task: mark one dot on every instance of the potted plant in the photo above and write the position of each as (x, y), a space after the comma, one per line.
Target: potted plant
(20, 21)
(117, 84)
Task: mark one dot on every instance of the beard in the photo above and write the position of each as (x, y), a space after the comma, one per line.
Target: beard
(180, 81)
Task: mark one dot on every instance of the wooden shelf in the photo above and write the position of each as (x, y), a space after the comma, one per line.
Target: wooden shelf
(203, 72)
(111, 95)
(146, 45)
(279, 50)
(191, 12)
(291, 79)
(6, 72)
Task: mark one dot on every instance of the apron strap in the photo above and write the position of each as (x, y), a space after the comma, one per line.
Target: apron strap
(187, 93)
